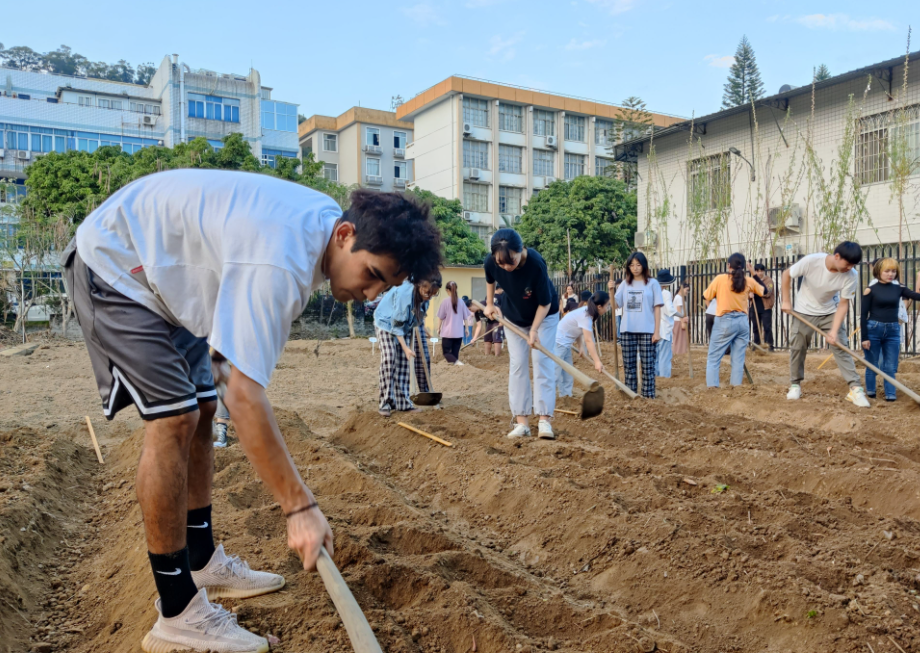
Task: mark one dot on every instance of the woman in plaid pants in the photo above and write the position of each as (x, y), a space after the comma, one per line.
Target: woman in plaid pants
(395, 319)
(641, 300)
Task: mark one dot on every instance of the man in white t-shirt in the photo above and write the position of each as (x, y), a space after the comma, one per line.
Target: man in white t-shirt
(828, 285)
(666, 328)
(180, 259)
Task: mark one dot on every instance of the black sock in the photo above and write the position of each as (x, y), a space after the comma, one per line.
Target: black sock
(200, 538)
(174, 581)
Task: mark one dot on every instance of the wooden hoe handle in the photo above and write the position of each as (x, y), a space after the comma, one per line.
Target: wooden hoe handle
(359, 631)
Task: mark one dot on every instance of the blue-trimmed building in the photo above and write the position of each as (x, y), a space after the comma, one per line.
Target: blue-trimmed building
(42, 112)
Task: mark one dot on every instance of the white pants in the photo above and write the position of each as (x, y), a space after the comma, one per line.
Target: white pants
(544, 371)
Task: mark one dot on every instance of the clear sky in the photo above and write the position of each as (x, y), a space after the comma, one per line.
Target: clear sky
(329, 56)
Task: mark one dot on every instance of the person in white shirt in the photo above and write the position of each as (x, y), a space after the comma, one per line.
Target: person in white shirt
(663, 365)
(828, 285)
(711, 311)
(577, 329)
(177, 260)
(640, 297)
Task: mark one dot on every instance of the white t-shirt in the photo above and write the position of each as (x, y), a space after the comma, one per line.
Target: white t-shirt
(639, 301)
(230, 256)
(570, 327)
(820, 287)
(713, 307)
(678, 305)
(667, 315)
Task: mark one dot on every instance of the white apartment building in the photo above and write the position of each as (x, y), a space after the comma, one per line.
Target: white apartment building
(493, 145)
(743, 182)
(365, 147)
(43, 112)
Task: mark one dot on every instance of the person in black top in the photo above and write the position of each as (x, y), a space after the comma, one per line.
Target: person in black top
(879, 324)
(530, 301)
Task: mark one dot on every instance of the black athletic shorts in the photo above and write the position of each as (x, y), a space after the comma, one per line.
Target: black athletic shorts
(497, 335)
(137, 356)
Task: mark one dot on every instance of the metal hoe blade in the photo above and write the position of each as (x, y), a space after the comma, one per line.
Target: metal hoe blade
(592, 404)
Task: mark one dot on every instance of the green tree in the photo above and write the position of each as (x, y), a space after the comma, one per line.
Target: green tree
(743, 78)
(461, 245)
(121, 72)
(97, 69)
(22, 58)
(597, 212)
(822, 73)
(144, 73)
(633, 119)
(64, 61)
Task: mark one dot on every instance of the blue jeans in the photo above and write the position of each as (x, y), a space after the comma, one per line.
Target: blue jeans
(664, 358)
(730, 330)
(565, 384)
(619, 317)
(885, 343)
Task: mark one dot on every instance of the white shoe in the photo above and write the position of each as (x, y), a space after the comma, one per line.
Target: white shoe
(520, 431)
(458, 363)
(220, 435)
(230, 577)
(545, 430)
(202, 626)
(858, 396)
(795, 391)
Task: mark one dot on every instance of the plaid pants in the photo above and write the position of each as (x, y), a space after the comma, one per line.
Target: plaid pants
(639, 344)
(393, 377)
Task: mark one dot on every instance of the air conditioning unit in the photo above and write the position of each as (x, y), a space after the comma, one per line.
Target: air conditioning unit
(148, 120)
(467, 129)
(24, 154)
(399, 183)
(788, 250)
(785, 218)
(551, 142)
(399, 153)
(373, 180)
(468, 216)
(372, 149)
(472, 173)
(646, 239)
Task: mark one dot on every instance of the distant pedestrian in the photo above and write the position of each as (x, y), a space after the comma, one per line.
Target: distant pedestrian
(452, 315)
(577, 329)
(641, 300)
(680, 339)
(711, 318)
(469, 323)
(762, 307)
(666, 328)
(567, 295)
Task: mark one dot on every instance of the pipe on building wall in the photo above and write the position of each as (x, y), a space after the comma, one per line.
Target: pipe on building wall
(183, 108)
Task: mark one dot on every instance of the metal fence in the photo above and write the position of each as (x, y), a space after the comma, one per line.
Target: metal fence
(700, 274)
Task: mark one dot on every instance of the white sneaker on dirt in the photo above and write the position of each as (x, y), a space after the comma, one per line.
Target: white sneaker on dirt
(229, 577)
(220, 435)
(545, 430)
(795, 391)
(202, 626)
(520, 431)
(858, 396)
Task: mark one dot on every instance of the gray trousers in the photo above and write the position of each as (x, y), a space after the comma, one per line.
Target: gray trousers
(800, 336)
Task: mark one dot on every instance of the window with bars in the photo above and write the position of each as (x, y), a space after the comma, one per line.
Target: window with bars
(709, 183)
(603, 167)
(543, 163)
(574, 165)
(544, 123)
(878, 142)
(511, 118)
(575, 128)
(510, 158)
(476, 154)
(331, 171)
(476, 197)
(476, 112)
(509, 200)
(603, 132)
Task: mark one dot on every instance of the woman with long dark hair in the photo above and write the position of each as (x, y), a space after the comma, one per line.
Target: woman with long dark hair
(641, 300)
(578, 325)
(530, 302)
(452, 315)
(730, 290)
(681, 336)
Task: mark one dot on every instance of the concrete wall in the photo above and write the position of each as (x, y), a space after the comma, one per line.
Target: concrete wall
(464, 278)
(434, 150)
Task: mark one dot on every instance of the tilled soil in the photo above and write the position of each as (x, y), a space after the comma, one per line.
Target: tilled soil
(707, 520)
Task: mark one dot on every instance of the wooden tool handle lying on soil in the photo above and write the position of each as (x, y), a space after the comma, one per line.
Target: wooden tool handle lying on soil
(900, 386)
(622, 386)
(359, 631)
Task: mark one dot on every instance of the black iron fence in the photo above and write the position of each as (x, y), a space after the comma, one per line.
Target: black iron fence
(700, 274)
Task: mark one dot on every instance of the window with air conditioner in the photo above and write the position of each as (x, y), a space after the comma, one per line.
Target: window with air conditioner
(709, 183)
(373, 136)
(574, 165)
(510, 158)
(509, 200)
(476, 154)
(399, 140)
(544, 163)
(511, 118)
(476, 197)
(331, 171)
(575, 128)
(400, 169)
(330, 143)
(544, 123)
(373, 167)
(476, 112)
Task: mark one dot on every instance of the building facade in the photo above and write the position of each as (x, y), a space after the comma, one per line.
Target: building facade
(493, 146)
(41, 113)
(364, 147)
(801, 169)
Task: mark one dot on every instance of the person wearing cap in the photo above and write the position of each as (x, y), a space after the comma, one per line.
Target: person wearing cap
(663, 367)
(762, 307)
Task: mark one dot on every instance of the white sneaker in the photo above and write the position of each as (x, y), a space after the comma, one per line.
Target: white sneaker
(520, 431)
(230, 577)
(795, 391)
(202, 626)
(545, 430)
(220, 435)
(459, 363)
(858, 396)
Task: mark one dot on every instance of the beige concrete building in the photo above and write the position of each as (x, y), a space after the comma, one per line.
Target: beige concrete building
(362, 146)
(493, 146)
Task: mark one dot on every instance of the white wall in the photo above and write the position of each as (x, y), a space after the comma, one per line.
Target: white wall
(434, 151)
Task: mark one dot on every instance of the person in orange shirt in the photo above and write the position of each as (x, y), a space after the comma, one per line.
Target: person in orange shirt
(730, 291)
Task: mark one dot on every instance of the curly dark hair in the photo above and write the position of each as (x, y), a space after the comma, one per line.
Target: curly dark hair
(396, 225)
